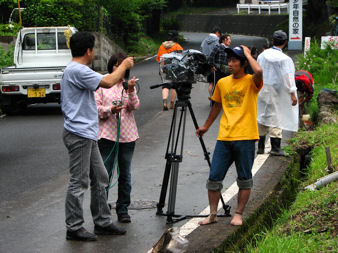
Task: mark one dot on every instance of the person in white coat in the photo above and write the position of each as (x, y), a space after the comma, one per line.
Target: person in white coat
(277, 107)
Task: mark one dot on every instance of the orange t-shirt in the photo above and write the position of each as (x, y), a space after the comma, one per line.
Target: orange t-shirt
(162, 50)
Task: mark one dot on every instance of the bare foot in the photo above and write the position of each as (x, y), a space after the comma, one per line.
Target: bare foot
(212, 218)
(237, 220)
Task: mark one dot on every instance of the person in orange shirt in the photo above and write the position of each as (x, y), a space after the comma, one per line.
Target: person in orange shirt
(167, 47)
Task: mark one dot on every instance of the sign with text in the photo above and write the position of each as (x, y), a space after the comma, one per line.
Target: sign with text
(295, 24)
(307, 44)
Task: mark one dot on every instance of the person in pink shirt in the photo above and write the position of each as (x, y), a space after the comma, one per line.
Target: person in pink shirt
(108, 131)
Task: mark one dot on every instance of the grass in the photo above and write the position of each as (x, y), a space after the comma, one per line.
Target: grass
(310, 223)
(322, 64)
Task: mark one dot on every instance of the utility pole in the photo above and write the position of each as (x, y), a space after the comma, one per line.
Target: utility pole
(20, 21)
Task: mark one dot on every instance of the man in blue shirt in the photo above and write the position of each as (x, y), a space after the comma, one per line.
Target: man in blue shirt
(80, 137)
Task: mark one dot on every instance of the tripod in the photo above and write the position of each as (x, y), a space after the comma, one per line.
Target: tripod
(174, 156)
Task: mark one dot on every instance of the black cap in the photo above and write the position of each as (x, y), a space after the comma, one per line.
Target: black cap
(237, 52)
(172, 34)
(279, 35)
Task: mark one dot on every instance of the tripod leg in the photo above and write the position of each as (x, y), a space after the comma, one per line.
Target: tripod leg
(169, 157)
(164, 188)
(173, 190)
(206, 153)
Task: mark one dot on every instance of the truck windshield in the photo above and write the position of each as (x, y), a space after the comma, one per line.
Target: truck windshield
(45, 41)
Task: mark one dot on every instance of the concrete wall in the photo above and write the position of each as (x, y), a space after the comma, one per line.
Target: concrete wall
(257, 25)
(104, 48)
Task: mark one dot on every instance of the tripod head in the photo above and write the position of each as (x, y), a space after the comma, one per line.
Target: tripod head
(183, 89)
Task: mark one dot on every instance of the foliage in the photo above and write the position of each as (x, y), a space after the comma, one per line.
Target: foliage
(83, 15)
(9, 29)
(309, 225)
(6, 58)
(128, 18)
(146, 46)
(322, 64)
(124, 21)
(323, 136)
(332, 3)
(171, 23)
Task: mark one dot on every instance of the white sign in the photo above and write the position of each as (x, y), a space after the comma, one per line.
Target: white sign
(295, 23)
(307, 45)
(329, 40)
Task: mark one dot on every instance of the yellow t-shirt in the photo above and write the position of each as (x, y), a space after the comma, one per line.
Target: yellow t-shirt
(239, 103)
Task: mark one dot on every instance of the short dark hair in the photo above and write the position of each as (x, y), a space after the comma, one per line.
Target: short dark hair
(216, 29)
(276, 42)
(173, 35)
(241, 59)
(265, 46)
(224, 37)
(80, 42)
(116, 58)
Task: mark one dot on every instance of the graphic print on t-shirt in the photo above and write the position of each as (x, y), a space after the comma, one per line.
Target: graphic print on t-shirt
(234, 99)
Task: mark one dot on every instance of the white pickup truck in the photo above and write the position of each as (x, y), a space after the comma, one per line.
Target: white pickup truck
(40, 57)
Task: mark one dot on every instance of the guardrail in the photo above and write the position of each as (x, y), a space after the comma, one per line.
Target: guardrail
(259, 7)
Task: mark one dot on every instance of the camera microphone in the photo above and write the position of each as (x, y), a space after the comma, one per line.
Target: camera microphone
(127, 74)
(126, 78)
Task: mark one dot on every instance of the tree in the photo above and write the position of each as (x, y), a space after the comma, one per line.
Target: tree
(77, 13)
(6, 7)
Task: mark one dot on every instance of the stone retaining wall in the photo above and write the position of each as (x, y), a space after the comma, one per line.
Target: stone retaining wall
(104, 48)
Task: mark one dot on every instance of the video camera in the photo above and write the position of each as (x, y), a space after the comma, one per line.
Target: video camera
(184, 67)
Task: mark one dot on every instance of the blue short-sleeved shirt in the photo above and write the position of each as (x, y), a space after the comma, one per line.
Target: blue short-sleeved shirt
(77, 100)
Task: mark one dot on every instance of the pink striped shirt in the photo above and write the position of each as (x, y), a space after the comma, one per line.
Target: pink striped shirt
(107, 120)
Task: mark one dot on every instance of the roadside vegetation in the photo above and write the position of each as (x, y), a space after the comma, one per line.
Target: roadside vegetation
(322, 64)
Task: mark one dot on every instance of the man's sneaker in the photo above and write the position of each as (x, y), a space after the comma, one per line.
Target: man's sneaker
(80, 235)
(109, 230)
(124, 218)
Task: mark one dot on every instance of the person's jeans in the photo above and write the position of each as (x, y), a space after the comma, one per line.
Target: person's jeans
(225, 153)
(126, 151)
(85, 162)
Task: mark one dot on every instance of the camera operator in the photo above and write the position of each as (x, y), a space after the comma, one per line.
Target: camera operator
(111, 102)
(167, 47)
(80, 138)
(237, 96)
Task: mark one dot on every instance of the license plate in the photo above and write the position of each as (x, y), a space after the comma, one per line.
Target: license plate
(36, 93)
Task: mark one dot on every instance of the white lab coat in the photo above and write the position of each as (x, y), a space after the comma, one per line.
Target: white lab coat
(274, 105)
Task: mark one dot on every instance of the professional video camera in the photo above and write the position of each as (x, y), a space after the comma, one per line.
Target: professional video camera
(183, 67)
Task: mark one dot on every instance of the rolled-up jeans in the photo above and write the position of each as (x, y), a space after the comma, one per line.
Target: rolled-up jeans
(85, 162)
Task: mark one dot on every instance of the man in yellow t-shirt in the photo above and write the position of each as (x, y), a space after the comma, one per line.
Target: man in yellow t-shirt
(237, 96)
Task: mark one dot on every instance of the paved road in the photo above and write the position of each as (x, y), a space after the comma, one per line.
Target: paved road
(33, 171)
